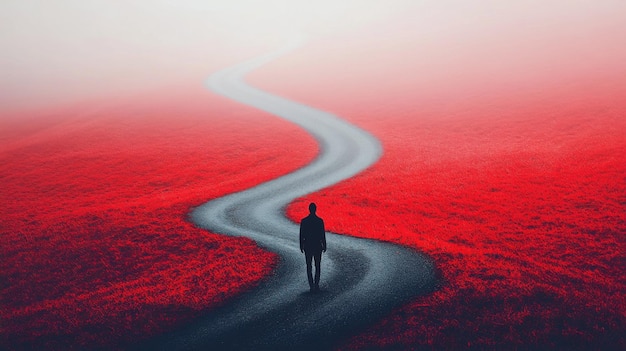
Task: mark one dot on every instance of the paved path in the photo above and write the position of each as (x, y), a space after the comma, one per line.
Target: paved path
(362, 280)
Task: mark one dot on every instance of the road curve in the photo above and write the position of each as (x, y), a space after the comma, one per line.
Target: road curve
(362, 280)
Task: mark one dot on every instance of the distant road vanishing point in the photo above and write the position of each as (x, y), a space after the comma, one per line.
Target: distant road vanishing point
(362, 280)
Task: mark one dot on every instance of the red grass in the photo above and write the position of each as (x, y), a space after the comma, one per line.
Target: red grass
(96, 249)
(529, 239)
(509, 172)
(517, 192)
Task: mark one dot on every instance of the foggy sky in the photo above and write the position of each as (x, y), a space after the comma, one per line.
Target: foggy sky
(66, 50)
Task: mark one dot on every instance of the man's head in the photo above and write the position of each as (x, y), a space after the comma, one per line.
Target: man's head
(312, 208)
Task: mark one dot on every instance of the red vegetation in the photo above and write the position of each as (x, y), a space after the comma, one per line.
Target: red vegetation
(96, 248)
(504, 160)
(515, 188)
(524, 216)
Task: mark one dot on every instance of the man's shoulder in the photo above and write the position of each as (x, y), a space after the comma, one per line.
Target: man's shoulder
(311, 219)
(317, 219)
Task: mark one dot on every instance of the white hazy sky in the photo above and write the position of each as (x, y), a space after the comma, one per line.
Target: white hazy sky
(68, 49)
(73, 47)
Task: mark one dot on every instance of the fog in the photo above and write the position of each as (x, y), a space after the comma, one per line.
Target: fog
(61, 51)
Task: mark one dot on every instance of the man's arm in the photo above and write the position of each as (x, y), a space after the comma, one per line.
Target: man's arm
(301, 238)
(323, 236)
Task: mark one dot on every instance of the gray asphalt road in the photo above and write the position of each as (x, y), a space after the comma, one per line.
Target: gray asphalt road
(362, 280)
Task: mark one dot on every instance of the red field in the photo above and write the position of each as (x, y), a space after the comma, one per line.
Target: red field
(96, 249)
(504, 161)
(529, 239)
(510, 176)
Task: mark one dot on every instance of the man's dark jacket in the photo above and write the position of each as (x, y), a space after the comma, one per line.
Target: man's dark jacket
(312, 234)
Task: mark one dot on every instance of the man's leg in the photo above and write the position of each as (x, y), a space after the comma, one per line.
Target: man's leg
(318, 266)
(308, 255)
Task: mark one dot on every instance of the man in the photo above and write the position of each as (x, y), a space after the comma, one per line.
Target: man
(313, 243)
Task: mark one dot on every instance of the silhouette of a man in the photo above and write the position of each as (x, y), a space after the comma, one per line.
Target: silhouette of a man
(313, 243)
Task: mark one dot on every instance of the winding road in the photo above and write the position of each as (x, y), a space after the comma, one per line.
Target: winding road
(362, 280)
